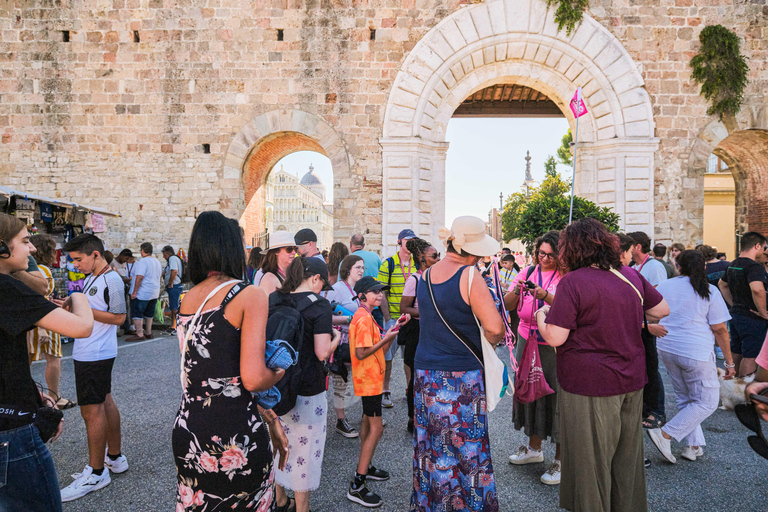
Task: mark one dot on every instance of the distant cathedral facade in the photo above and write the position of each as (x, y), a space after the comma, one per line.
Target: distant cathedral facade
(293, 204)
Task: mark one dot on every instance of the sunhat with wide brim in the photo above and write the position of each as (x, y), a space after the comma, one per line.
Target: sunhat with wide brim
(280, 239)
(468, 234)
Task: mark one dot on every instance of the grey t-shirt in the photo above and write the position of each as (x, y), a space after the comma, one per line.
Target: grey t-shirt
(174, 263)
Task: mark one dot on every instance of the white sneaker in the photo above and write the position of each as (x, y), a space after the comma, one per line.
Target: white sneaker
(386, 400)
(526, 455)
(117, 466)
(552, 476)
(664, 445)
(691, 454)
(84, 483)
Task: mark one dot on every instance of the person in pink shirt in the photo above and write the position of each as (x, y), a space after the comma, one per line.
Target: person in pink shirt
(538, 419)
(761, 380)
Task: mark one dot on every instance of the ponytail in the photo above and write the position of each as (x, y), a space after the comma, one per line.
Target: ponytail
(294, 275)
(692, 264)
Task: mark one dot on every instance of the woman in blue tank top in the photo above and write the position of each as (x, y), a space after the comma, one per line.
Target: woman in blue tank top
(451, 452)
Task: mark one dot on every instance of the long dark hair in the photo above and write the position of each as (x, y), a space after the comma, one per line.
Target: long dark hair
(215, 246)
(255, 259)
(269, 263)
(46, 249)
(295, 275)
(692, 264)
(417, 246)
(587, 242)
(336, 255)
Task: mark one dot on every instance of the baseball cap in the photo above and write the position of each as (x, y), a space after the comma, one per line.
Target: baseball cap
(317, 266)
(305, 236)
(369, 284)
(406, 234)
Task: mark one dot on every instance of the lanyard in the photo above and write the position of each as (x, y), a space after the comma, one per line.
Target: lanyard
(129, 266)
(540, 302)
(644, 262)
(381, 329)
(354, 297)
(89, 284)
(402, 269)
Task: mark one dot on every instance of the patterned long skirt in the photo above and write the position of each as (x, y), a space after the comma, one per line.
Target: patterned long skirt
(452, 468)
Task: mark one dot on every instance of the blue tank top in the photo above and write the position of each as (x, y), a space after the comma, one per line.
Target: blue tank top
(438, 348)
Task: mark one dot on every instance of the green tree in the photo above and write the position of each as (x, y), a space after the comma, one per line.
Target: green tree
(564, 151)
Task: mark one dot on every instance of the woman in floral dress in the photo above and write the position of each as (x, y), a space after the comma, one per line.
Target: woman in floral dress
(221, 443)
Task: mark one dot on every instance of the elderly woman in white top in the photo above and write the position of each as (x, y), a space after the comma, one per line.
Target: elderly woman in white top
(697, 320)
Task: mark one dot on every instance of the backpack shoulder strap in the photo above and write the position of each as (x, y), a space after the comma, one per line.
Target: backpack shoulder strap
(307, 301)
(391, 267)
(531, 268)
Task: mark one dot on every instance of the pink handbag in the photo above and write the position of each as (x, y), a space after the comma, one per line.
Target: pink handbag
(530, 384)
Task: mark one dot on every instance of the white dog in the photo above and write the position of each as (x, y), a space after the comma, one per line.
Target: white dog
(732, 391)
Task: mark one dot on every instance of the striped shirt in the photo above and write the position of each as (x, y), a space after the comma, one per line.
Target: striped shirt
(396, 281)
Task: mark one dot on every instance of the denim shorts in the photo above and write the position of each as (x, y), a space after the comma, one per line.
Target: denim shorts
(143, 308)
(174, 294)
(28, 478)
(747, 335)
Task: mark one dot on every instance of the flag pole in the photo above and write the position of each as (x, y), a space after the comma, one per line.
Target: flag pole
(575, 148)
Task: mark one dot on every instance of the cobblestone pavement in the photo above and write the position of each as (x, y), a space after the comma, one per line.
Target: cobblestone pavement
(146, 389)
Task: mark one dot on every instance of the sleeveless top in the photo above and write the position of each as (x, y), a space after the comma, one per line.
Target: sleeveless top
(438, 348)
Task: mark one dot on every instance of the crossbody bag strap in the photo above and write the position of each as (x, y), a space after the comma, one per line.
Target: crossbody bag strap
(461, 337)
(191, 325)
(621, 276)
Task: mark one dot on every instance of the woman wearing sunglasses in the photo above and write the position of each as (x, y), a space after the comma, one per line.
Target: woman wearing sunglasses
(539, 419)
(280, 253)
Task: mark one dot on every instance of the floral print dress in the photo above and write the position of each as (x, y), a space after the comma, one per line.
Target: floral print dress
(221, 446)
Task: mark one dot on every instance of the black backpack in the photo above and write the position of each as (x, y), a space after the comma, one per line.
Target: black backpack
(285, 322)
(184, 270)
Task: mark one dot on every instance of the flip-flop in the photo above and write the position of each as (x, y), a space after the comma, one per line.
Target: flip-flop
(64, 404)
(651, 421)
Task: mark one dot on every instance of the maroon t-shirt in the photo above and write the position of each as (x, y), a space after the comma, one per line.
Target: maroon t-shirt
(604, 354)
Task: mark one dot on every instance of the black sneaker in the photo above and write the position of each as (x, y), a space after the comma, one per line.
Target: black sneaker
(377, 474)
(647, 462)
(362, 496)
(344, 428)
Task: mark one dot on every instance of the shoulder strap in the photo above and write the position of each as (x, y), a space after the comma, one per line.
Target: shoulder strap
(461, 337)
(191, 325)
(233, 292)
(391, 267)
(307, 301)
(531, 268)
(621, 276)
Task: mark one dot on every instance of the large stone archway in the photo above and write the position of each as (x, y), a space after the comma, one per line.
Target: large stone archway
(505, 41)
(262, 142)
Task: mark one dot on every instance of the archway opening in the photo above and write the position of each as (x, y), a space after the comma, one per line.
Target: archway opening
(288, 185)
(500, 137)
(745, 155)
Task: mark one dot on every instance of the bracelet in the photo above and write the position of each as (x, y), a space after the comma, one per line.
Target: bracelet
(729, 365)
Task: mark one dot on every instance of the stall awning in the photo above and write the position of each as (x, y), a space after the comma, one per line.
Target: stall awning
(58, 202)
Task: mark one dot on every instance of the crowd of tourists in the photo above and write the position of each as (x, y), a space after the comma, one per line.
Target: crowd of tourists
(582, 327)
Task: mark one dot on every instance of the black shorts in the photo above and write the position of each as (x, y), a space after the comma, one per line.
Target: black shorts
(93, 381)
(371, 406)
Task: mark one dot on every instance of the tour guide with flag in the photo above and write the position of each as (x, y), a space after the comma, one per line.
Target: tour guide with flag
(579, 109)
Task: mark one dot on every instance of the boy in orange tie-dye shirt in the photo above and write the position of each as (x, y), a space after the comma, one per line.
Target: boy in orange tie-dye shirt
(367, 348)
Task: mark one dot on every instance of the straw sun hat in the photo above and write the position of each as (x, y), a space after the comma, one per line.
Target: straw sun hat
(468, 234)
(280, 239)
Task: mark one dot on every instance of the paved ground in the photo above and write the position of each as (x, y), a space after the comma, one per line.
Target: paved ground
(146, 389)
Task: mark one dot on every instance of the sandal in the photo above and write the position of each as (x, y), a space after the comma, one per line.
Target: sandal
(290, 506)
(64, 404)
(651, 421)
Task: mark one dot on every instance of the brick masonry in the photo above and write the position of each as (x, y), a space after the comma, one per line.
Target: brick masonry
(118, 116)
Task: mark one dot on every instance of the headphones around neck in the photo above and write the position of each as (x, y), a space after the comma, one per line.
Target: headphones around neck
(5, 251)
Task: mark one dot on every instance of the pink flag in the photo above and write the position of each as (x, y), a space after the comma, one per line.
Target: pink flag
(577, 104)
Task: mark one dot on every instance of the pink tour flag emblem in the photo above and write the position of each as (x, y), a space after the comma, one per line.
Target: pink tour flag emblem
(577, 104)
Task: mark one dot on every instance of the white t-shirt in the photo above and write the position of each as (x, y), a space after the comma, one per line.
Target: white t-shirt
(104, 293)
(174, 263)
(653, 270)
(690, 319)
(151, 269)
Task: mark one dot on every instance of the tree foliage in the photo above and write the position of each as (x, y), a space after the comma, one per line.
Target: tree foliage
(564, 151)
(568, 13)
(721, 70)
(547, 208)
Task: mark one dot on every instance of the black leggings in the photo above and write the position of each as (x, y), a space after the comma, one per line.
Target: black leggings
(653, 393)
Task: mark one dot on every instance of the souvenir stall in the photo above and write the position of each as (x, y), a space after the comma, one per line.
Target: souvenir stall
(61, 219)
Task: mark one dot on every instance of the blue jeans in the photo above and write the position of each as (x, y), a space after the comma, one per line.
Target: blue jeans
(28, 478)
(174, 294)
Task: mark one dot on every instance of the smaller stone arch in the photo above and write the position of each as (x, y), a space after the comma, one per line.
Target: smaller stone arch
(262, 142)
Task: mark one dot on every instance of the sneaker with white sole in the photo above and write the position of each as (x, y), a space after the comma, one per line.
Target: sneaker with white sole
(345, 429)
(119, 465)
(664, 445)
(552, 475)
(386, 400)
(526, 455)
(84, 483)
(362, 496)
(691, 454)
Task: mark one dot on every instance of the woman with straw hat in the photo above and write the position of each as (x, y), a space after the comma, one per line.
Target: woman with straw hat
(451, 455)
(280, 252)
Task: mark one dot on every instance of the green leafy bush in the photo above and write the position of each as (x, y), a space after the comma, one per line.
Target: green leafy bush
(568, 13)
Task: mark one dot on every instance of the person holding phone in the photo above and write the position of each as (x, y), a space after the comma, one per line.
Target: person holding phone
(532, 288)
(367, 348)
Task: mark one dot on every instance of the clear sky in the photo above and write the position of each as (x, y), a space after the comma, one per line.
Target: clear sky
(486, 156)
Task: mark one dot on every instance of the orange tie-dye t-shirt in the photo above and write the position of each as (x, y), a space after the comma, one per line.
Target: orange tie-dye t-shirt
(368, 373)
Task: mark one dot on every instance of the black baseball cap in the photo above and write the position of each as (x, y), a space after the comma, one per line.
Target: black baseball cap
(305, 236)
(317, 266)
(369, 284)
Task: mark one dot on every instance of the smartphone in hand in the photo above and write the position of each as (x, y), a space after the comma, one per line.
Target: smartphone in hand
(399, 323)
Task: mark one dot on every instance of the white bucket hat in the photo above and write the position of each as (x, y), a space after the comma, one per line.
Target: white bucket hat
(468, 234)
(280, 239)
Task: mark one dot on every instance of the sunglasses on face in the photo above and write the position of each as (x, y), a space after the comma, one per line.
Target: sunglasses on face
(289, 250)
(375, 292)
(433, 256)
(547, 255)
(748, 417)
